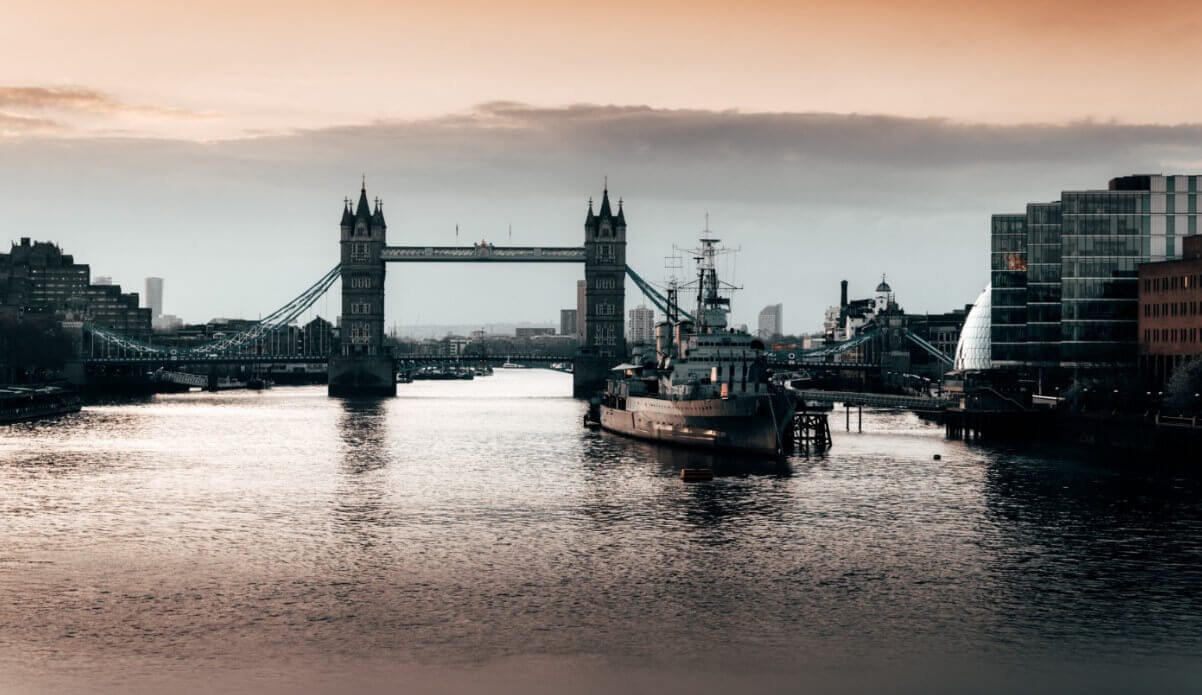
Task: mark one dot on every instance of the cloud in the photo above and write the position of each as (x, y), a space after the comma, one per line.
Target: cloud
(866, 161)
(811, 197)
(76, 109)
(12, 124)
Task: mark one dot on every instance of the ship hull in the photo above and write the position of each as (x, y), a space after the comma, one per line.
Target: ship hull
(750, 425)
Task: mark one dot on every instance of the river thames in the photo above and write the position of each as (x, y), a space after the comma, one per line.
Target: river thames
(472, 536)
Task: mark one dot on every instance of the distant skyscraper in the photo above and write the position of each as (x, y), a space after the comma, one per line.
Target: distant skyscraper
(770, 321)
(581, 305)
(154, 296)
(642, 325)
(567, 322)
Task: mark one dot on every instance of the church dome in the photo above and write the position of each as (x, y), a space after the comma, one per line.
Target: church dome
(972, 350)
(884, 286)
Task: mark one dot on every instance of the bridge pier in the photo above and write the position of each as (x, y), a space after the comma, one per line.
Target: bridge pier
(589, 373)
(362, 375)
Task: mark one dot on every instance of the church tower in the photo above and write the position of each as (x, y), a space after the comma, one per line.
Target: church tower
(363, 366)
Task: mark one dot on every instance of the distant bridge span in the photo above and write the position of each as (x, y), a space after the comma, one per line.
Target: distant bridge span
(483, 253)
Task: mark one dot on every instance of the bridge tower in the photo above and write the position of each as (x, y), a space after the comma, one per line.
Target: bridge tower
(605, 297)
(363, 366)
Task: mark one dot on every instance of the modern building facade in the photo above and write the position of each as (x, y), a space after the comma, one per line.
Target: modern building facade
(1170, 312)
(973, 347)
(770, 321)
(641, 325)
(154, 296)
(1008, 277)
(1065, 273)
(567, 322)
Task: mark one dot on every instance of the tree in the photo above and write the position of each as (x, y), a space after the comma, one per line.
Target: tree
(1184, 387)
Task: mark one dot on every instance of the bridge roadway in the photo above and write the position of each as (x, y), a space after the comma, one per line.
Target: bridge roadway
(483, 253)
(218, 358)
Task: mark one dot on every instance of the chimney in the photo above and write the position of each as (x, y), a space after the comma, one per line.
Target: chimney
(843, 294)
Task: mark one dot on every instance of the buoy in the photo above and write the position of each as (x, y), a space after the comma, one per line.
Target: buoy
(938, 457)
(694, 474)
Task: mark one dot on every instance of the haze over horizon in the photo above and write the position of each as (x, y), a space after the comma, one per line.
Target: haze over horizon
(827, 142)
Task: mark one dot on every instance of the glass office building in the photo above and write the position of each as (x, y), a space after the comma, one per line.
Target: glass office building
(1008, 277)
(1072, 264)
(1043, 284)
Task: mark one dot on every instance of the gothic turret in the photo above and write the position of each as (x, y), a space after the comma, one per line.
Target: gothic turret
(605, 213)
(377, 219)
(363, 209)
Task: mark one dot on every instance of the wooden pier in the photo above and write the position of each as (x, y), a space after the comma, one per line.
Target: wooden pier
(810, 433)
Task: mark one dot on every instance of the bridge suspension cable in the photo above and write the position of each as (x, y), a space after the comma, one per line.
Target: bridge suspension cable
(653, 295)
(285, 315)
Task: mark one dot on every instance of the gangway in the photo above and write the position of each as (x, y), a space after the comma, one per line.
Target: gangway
(875, 400)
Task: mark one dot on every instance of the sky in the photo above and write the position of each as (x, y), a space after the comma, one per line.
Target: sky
(212, 144)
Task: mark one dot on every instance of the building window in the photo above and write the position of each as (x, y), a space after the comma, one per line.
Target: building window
(359, 251)
(360, 307)
(360, 282)
(360, 333)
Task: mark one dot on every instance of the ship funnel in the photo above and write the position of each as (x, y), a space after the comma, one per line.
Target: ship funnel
(683, 330)
(663, 341)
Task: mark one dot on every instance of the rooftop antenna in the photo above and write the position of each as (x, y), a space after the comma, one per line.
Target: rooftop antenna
(456, 230)
(364, 186)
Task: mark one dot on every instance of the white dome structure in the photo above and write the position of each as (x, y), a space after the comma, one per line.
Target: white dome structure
(972, 350)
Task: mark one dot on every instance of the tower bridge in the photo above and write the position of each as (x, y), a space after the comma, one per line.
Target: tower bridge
(362, 365)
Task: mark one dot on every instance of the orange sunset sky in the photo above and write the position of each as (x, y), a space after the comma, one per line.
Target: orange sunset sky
(228, 68)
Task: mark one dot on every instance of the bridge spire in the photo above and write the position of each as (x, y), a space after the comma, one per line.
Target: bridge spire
(363, 209)
(588, 219)
(605, 209)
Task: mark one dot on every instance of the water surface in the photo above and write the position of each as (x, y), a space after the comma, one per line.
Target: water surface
(472, 536)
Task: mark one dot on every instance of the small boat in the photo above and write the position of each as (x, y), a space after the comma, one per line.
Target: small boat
(24, 403)
(512, 365)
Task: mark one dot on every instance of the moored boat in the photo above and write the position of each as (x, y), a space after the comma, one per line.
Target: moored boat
(705, 385)
(24, 403)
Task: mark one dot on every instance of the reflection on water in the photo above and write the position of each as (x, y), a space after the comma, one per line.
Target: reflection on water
(474, 532)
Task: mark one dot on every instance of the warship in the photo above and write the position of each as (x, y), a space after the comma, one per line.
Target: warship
(706, 384)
